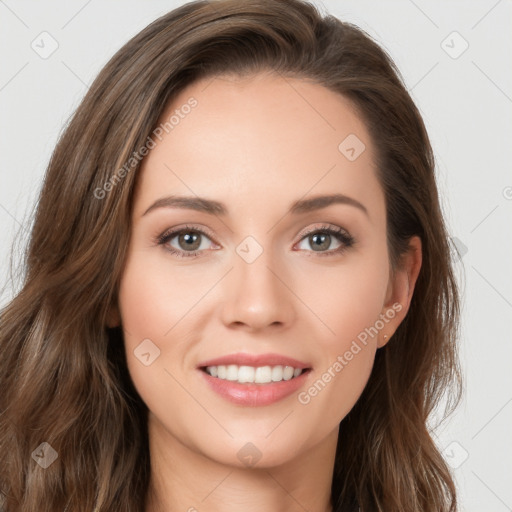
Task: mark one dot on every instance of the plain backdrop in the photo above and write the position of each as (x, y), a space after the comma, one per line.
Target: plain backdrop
(455, 58)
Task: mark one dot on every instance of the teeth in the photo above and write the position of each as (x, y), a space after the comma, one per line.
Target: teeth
(263, 375)
(259, 375)
(232, 372)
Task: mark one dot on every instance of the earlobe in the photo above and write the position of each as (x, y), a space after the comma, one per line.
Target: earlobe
(383, 339)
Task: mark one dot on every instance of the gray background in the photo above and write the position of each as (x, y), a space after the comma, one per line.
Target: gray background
(465, 98)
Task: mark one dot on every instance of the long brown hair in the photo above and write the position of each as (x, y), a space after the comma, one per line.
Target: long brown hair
(63, 374)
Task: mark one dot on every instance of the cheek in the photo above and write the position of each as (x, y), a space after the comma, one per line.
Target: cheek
(347, 352)
(155, 295)
(159, 301)
(349, 301)
(149, 309)
(151, 304)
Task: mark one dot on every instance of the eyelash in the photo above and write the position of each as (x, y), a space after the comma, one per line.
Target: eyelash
(340, 234)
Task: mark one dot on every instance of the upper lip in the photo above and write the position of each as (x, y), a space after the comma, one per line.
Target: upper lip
(243, 359)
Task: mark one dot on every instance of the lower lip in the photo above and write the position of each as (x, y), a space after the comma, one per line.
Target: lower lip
(254, 395)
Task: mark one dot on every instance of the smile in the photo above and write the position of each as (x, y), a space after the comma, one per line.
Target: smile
(250, 374)
(255, 394)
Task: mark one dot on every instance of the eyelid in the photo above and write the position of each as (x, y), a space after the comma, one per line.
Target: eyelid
(187, 227)
(323, 226)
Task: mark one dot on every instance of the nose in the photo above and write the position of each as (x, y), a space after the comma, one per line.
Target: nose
(258, 294)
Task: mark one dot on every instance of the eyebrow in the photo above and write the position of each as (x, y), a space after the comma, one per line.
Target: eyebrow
(213, 207)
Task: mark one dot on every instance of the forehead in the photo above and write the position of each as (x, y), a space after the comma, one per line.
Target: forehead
(264, 136)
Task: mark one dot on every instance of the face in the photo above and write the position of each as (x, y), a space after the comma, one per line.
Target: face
(254, 272)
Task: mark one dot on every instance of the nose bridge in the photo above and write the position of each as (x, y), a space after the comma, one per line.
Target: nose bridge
(257, 294)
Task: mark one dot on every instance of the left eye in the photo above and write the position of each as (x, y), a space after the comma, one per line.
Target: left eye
(321, 240)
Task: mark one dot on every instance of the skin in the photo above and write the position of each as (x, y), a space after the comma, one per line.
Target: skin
(256, 144)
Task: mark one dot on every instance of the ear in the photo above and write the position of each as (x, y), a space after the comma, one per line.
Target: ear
(400, 290)
(113, 316)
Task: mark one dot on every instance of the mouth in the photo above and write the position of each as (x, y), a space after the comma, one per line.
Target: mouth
(254, 375)
(250, 386)
(254, 379)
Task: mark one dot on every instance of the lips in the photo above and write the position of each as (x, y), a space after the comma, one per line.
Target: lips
(254, 394)
(256, 360)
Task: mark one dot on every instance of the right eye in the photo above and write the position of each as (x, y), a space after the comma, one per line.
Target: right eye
(189, 241)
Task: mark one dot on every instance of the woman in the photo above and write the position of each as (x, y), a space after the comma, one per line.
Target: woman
(239, 291)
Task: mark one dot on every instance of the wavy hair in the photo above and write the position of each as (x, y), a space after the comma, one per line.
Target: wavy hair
(63, 373)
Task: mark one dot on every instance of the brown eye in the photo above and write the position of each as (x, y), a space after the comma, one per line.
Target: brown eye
(185, 242)
(320, 240)
(189, 241)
